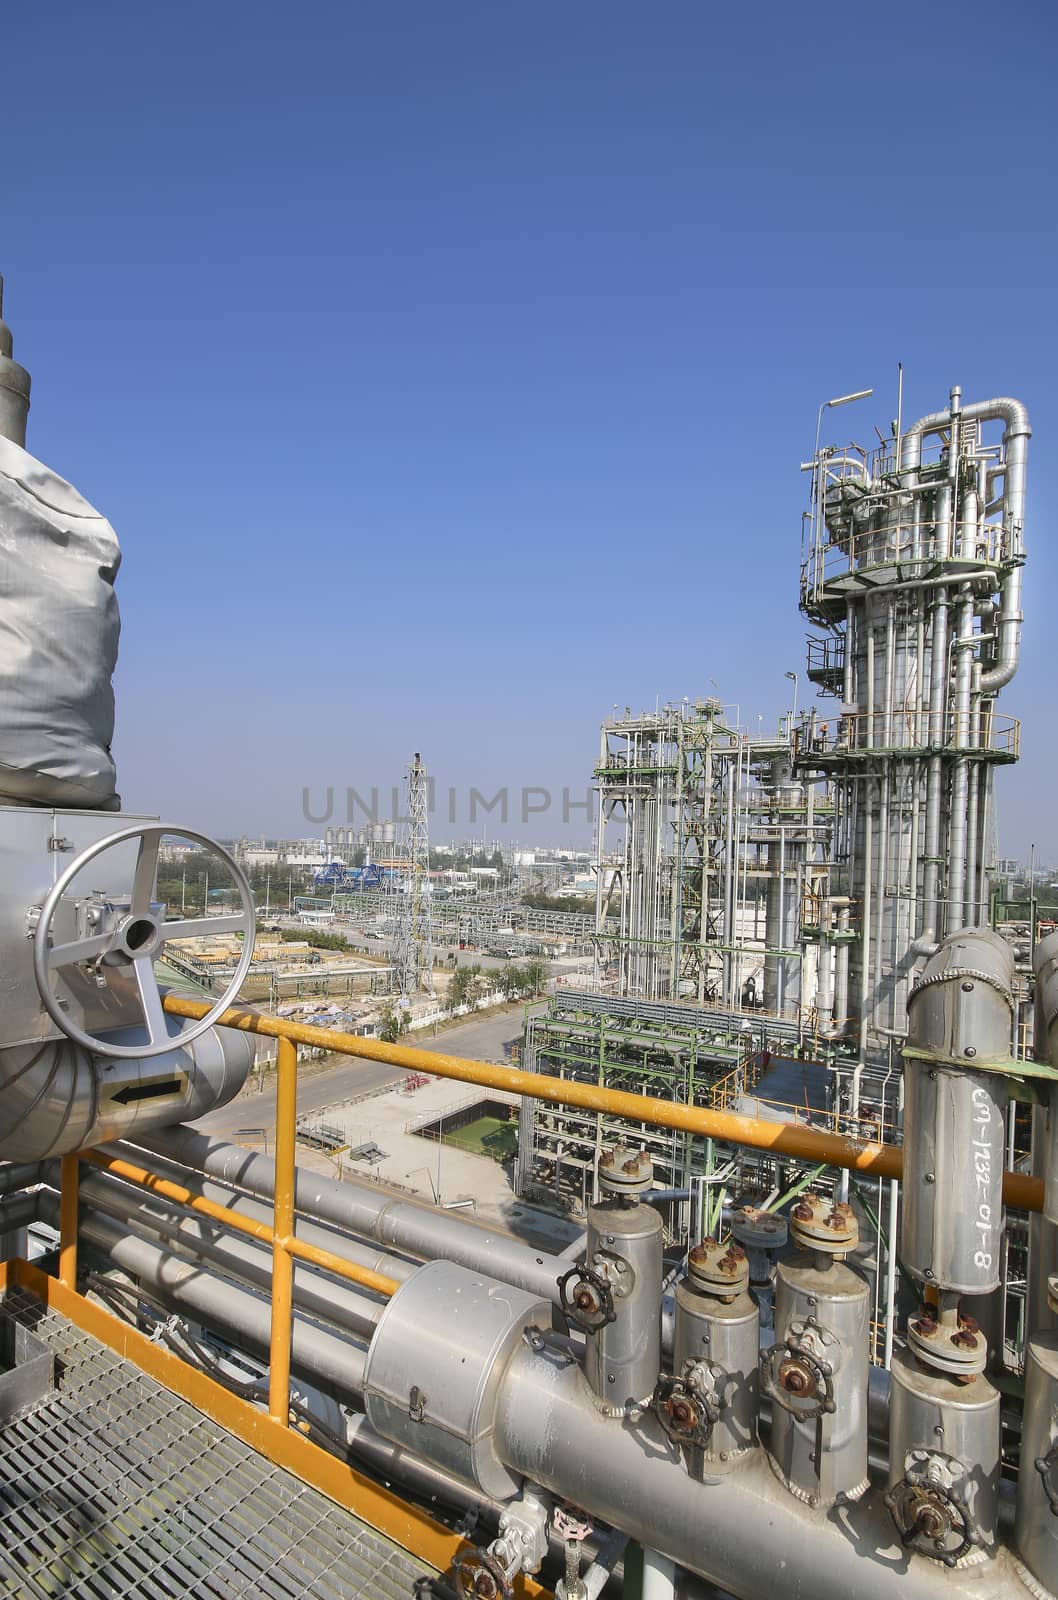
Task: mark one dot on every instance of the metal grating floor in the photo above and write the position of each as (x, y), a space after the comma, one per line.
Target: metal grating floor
(115, 1487)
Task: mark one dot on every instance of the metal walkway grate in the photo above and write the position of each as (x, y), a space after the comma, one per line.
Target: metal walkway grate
(115, 1487)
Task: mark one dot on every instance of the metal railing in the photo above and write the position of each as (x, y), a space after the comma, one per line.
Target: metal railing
(866, 732)
(780, 1138)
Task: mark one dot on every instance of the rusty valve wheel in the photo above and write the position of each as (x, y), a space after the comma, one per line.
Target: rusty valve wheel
(685, 1414)
(798, 1381)
(586, 1299)
(931, 1520)
(480, 1576)
(1047, 1467)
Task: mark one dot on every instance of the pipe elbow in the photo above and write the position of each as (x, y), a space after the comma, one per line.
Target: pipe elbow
(59, 1097)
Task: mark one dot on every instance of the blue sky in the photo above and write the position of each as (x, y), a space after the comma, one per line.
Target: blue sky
(446, 369)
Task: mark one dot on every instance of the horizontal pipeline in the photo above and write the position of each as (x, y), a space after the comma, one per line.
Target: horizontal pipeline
(781, 1138)
(375, 1281)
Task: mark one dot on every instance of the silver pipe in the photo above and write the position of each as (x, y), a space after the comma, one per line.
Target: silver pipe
(1017, 432)
(738, 1530)
(338, 1363)
(58, 1097)
(404, 1224)
(960, 771)
(240, 1257)
(311, 1231)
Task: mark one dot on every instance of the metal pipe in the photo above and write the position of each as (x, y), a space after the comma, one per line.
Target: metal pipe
(326, 1259)
(659, 1576)
(1017, 431)
(59, 1097)
(372, 1214)
(233, 1254)
(738, 1530)
(309, 1231)
(14, 387)
(337, 1362)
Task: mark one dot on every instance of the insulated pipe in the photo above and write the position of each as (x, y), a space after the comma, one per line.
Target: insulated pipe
(338, 1364)
(59, 1097)
(372, 1214)
(239, 1257)
(738, 1530)
(309, 1232)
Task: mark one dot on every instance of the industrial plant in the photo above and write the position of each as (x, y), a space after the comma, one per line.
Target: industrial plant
(796, 1111)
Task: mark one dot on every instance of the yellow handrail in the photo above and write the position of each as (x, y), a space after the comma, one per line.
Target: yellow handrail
(781, 1138)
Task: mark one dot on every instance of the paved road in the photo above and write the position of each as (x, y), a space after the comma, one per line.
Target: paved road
(321, 1086)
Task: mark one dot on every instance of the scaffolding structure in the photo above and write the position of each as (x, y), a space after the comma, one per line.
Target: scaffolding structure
(706, 846)
(413, 942)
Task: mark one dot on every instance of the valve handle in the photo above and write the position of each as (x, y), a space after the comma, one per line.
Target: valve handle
(927, 1515)
(686, 1415)
(1047, 1467)
(589, 1305)
(798, 1380)
(479, 1575)
(134, 941)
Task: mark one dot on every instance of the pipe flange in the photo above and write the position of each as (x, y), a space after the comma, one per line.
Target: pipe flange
(759, 1230)
(687, 1414)
(960, 1350)
(931, 1518)
(818, 1222)
(588, 1304)
(624, 1171)
(798, 1380)
(479, 1575)
(719, 1268)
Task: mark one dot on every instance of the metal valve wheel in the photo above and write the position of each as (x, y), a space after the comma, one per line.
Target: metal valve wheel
(931, 1519)
(589, 1304)
(134, 939)
(1047, 1467)
(479, 1575)
(684, 1412)
(798, 1381)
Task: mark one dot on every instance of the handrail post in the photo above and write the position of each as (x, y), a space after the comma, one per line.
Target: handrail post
(282, 1232)
(70, 1174)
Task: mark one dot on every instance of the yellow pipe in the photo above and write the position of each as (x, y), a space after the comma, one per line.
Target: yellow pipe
(282, 1233)
(782, 1138)
(70, 1173)
(182, 1196)
(177, 1192)
(332, 1263)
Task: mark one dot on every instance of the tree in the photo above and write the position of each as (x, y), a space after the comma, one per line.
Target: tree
(393, 1025)
(465, 987)
(536, 973)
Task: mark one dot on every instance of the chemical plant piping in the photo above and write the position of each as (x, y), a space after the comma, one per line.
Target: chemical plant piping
(538, 1387)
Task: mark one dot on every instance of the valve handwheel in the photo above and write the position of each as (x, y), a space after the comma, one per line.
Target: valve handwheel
(135, 938)
(480, 1576)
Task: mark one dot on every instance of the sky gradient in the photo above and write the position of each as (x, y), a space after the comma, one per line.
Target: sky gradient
(446, 369)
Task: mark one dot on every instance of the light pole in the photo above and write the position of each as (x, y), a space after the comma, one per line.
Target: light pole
(829, 405)
(793, 705)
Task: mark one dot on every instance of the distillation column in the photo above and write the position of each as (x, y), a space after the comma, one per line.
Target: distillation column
(914, 572)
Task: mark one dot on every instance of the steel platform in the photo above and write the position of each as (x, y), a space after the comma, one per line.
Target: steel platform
(112, 1486)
